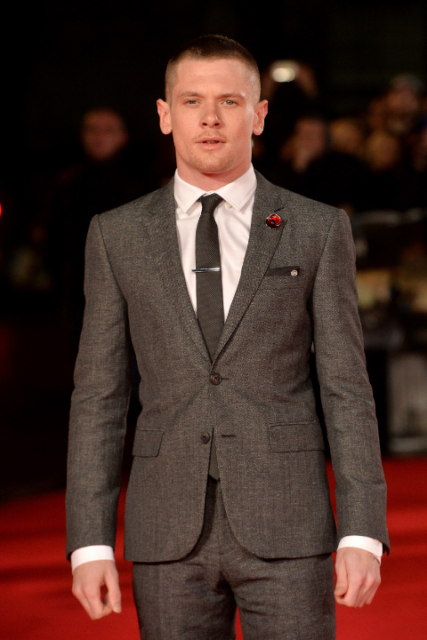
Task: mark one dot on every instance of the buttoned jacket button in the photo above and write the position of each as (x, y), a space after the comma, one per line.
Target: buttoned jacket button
(205, 437)
(215, 378)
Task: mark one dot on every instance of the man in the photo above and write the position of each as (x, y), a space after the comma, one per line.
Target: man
(228, 500)
(106, 177)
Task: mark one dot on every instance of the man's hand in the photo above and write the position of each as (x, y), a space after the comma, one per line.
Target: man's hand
(358, 577)
(89, 581)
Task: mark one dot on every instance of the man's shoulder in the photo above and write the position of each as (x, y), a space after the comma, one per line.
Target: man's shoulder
(300, 206)
(140, 208)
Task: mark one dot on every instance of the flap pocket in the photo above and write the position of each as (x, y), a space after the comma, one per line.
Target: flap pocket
(293, 272)
(147, 443)
(305, 436)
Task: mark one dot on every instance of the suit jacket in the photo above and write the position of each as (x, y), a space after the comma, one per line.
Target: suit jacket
(269, 442)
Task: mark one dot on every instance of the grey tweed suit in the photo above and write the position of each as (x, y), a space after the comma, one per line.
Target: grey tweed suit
(269, 443)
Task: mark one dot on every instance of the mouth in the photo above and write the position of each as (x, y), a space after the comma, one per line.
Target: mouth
(211, 142)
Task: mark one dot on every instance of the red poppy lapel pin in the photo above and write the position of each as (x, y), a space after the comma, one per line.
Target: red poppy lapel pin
(273, 221)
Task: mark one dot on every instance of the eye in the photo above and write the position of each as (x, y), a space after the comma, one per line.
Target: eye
(191, 101)
(230, 101)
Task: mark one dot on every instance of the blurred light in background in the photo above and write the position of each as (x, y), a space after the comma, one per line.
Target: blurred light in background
(284, 70)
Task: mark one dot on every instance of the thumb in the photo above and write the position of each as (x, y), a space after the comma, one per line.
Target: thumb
(341, 586)
(113, 597)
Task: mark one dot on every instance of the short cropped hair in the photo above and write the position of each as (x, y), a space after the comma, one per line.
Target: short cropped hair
(212, 47)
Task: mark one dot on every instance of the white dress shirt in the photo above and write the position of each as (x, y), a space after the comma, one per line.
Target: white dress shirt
(233, 217)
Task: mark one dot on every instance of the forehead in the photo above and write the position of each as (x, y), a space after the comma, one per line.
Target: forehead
(218, 74)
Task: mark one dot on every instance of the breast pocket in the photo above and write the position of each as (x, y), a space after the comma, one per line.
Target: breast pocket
(283, 279)
(292, 272)
(147, 443)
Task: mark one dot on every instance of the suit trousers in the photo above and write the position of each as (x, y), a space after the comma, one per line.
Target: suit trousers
(195, 598)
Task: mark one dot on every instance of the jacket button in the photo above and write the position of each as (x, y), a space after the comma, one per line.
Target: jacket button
(215, 378)
(205, 437)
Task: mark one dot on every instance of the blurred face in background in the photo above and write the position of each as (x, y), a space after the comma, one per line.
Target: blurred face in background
(404, 106)
(383, 151)
(347, 136)
(403, 101)
(419, 152)
(308, 143)
(103, 134)
(311, 134)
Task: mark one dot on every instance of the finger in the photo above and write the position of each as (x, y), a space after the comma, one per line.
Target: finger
(113, 598)
(341, 586)
(363, 586)
(82, 599)
(89, 597)
(370, 588)
(371, 583)
(351, 598)
(97, 608)
(355, 582)
(372, 595)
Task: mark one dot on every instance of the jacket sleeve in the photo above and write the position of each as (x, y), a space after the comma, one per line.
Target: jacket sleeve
(346, 393)
(99, 404)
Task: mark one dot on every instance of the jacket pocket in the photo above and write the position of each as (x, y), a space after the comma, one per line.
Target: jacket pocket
(305, 436)
(293, 272)
(147, 443)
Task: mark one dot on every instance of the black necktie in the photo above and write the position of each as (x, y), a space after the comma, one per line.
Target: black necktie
(210, 308)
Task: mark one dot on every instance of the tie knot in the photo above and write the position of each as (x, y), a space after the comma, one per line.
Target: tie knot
(210, 203)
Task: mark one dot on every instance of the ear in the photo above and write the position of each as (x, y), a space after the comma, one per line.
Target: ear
(261, 110)
(164, 115)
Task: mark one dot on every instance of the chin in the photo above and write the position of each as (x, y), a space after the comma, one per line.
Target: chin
(213, 165)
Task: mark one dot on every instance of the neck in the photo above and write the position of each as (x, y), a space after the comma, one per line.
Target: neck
(211, 181)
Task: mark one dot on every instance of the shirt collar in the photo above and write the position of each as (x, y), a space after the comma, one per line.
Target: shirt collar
(236, 193)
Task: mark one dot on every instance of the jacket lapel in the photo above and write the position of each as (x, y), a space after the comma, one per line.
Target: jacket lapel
(263, 240)
(262, 244)
(161, 227)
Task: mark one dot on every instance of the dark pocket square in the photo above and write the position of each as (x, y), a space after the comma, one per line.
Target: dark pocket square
(284, 271)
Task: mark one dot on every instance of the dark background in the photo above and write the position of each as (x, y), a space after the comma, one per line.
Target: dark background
(61, 58)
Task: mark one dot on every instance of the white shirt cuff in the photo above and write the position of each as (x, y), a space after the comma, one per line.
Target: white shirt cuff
(363, 542)
(88, 554)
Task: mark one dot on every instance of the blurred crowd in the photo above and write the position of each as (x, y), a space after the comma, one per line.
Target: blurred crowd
(374, 160)
(373, 165)
(364, 163)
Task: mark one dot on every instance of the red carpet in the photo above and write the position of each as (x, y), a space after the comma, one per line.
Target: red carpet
(37, 604)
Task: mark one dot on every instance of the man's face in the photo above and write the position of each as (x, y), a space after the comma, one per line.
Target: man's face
(212, 113)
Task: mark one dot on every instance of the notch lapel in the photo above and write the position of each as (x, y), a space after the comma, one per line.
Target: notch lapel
(161, 227)
(262, 244)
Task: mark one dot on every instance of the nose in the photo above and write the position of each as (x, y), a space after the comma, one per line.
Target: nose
(210, 119)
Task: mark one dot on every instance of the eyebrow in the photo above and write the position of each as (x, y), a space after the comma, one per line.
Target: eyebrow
(195, 94)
